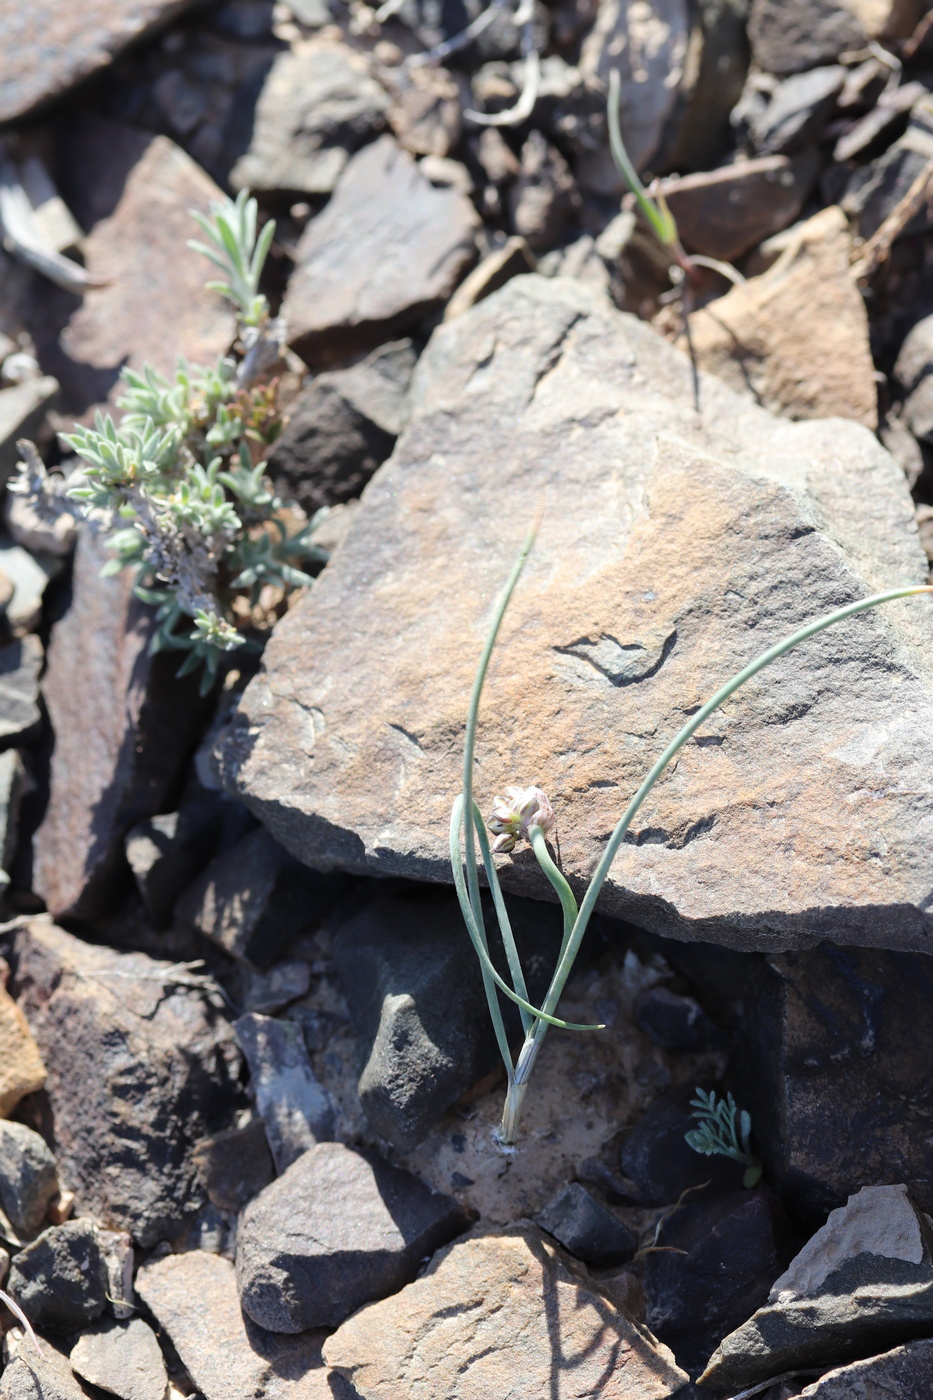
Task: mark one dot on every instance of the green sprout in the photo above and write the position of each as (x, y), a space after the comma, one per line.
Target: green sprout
(724, 1131)
(527, 817)
(654, 209)
(196, 518)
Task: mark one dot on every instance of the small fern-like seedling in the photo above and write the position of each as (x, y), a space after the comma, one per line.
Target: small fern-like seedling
(724, 1130)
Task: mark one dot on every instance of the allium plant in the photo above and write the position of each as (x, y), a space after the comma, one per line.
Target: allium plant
(527, 815)
(175, 483)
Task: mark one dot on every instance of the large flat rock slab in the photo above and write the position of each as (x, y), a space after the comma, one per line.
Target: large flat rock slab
(675, 547)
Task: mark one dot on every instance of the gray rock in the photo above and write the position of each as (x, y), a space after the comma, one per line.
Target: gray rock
(675, 1022)
(28, 1177)
(48, 47)
(724, 213)
(648, 44)
(60, 1280)
(799, 111)
(789, 36)
(872, 134)
(913, 371)
(502, 1313)
(48, 1379)
(22, 409)
(715, 1265)
(836, 1036)
(314, 14)
(904, 1373)
(877, 189)
(156, 1066)
(316, 107)
(12, 782)
(123, 1358)
(296, 1110)
(338, 1229)
(417, 1002)
(586, 1228)
(30, 576)
(862, 1283)
(235, 1165)
(544, 200)
(388, 248)
(269, 992)
(344, 745)
(193, 1297)
(20, 664)
(413, 987)
(107, 776)
(341, 428)
(252, 898)
(167, 852)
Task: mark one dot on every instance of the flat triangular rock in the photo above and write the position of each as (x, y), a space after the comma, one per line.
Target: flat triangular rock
(675, 547)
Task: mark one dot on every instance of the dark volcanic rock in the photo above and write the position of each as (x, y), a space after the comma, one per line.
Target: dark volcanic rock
(913, 371)
(675, 1022)
(167, 851)
(335, 1231)
(414, 988)
(253, 897)
(416, 996)
(862, 1283)
(28, 1177)
(60, 1280)
(880, 187)
(193, 1297)
(316, 107)
(156, 1066)
(658, 1162)
(47, 47)
(586, 1228)
(235, 1165)
(716, 1264)
(388, 248)
(724, 213)
(123, 727)
(341, 428)
(789, 36)
(835, 1037)
(799, 111)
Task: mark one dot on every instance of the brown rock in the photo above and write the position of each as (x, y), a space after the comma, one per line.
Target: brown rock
(796, 338)
(123, 725)
(47, 47)
(388, 248)
(790, 36)
(157, 1070)
(155, 308)
(674, 548)
(425, 111)
(723, 213)
(501, 1314)
(194, 1299)
(21, 1067)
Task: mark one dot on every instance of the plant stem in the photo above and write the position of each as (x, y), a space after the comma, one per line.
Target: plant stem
(571, 946)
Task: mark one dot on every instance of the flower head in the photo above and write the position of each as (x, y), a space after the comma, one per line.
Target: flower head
(514, 815)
